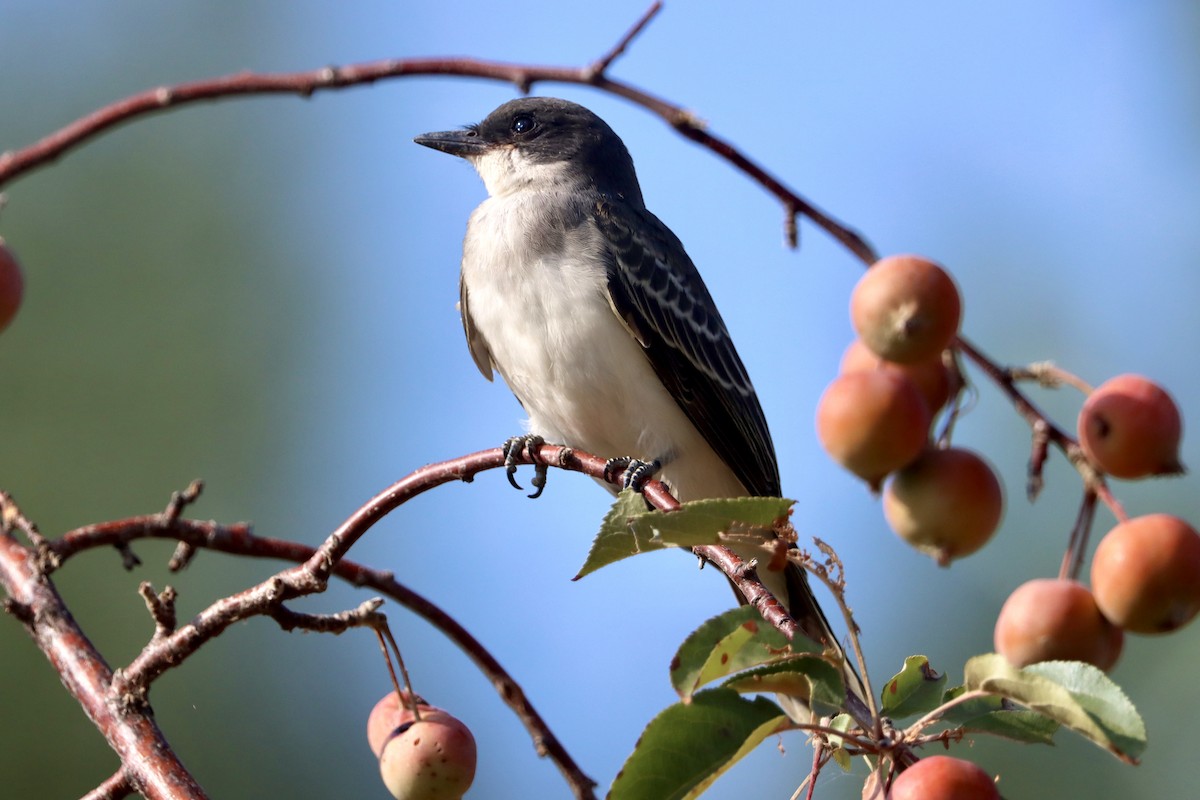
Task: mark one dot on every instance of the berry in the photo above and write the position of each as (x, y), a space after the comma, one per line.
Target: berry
(947, 503)
(872, 423)
(388, 714)
(1130, 428)
(944, 778)
(431, 758)
(931, 377)
(1146, 574)
(12, 285)
(1056, 619)
(906, 309)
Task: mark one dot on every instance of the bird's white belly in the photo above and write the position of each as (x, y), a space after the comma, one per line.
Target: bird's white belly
(581, 376)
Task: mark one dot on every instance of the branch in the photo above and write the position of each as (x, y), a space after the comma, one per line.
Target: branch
(16, 163)
(149, 764)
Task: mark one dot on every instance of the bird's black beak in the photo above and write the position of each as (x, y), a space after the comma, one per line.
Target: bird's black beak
(464, 143)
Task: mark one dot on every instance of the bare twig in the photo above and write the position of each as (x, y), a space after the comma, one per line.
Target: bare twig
(114, 788)
(1077, 545)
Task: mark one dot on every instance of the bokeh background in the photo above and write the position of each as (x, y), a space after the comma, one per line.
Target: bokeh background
(260, 292)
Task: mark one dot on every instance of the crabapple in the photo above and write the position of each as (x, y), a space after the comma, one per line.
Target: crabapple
(430, 758)
(906, 309)
(944, 778)
(872, 422)
(1056, 619)
(1146, 574)
(931, 377)
(12, 285)
(947, 503)
(1130, 428)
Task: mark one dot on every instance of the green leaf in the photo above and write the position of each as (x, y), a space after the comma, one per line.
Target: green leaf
(629, 529)
(732, 641)
(916, 689)
(688, 745)
(616, 540)
(703, 521)
(806, 676)
(999, 717)
(1078, 695)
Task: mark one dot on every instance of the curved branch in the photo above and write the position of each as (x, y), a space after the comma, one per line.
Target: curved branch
(15, 163)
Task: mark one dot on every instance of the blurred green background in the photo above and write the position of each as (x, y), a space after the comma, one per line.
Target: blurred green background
(260, 292)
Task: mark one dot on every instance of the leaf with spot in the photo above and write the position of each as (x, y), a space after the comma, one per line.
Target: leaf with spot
(915, 689)
(735, 640)
(808, 676)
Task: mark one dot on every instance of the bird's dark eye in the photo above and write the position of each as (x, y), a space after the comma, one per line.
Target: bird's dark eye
(523, 123)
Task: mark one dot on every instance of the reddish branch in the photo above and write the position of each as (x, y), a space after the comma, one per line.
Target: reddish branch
(170, 646)
(113, 701)
(148, 763)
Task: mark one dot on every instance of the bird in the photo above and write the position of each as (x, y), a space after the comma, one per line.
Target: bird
(599, 322)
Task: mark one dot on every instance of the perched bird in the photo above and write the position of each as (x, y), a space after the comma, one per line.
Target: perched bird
(599, 322)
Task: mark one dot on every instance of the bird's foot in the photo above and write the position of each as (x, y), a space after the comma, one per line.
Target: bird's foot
(513, 450)
(636, 472)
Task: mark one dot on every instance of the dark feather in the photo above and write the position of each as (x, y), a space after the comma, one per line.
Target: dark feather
(655, 288)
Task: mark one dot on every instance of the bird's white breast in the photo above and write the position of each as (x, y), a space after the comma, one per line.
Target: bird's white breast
(541, 304)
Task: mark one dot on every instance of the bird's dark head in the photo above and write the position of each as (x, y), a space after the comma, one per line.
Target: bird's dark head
(540, 143)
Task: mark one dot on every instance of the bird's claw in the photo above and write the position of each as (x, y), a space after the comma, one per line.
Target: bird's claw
(513, 450)
(636, 472)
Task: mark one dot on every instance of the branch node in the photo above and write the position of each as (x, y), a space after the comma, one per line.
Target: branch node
(129, 559)
(161, 607)
(22, 612)
(595, 71)
(180, 501)
(184, 552)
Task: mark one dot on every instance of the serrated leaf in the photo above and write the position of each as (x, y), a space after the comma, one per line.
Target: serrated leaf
(998, 716)
(703, 521)
(689, 745)
(915, 689)
(616, 540)
(732, 641)
(806, 676)
(1075, 694)
(629, 528)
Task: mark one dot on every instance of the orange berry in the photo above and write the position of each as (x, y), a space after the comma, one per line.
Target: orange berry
(1053, 619)
(944, 778)
(1130, 428)
(931, 377)
(1146, 574)
(906, 309)
(872, 422)
(947, 503)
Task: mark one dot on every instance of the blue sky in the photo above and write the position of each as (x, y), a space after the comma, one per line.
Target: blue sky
(1045, 153)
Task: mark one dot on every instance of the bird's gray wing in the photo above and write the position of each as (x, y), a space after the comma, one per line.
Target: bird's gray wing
(475, 341)
(656, 290)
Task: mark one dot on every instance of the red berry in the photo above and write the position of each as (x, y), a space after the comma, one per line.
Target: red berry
(12, 285)
(931, 377)
(944, 778)
(1146, 574)
(1130, 428)
(906, 309)
(1051, 619)
(872, 422)
(947, 503)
